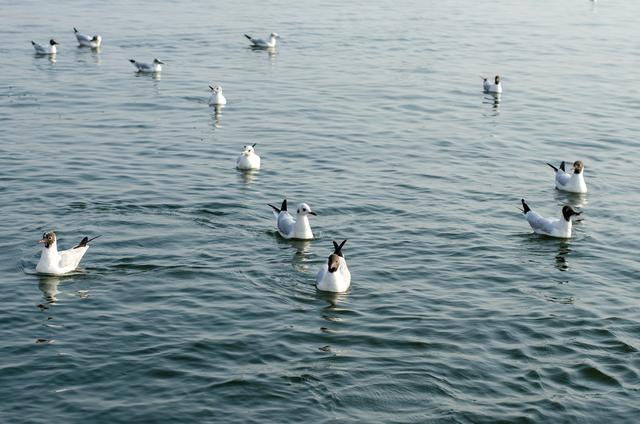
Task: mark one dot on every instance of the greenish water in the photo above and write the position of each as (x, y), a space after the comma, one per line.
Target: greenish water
(191, 309)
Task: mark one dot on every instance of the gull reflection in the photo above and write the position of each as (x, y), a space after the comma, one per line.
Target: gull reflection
(217, 114)
(248, 176)
(48, 285)
(562, 263)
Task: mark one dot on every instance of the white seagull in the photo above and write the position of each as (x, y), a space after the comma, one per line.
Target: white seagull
(334, 276)
(148, 67)
(260, 43)
(495, 88)
(291, 228)
(248, 159)
(574, 182)
(50, 49)
(548, 226)
(58, 263)
(86, 41)
(217, 98)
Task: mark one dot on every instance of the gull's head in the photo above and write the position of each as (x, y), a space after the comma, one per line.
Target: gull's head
(304, 210)
(248, 150)
(53, 42)
(274, 35)
(96, 38)
(333, 263)
(157, 62)
(48, 239)
(497, 79)
(334, 259)
(578, 167)
(568, 211)
(216, 89)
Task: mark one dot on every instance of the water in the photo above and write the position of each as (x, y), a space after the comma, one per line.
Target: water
(191, 309)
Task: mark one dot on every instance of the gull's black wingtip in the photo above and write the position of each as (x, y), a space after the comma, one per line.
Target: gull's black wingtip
(75, 30)
(248, 36)
(525, 207)
(562, 165)
(132, 61)
(85, 241)
(274, 208)
(554, 168)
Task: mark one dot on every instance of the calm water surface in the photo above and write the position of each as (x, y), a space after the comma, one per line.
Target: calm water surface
(190, 308)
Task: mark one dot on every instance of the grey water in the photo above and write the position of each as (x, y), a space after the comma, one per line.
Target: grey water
(190, 307)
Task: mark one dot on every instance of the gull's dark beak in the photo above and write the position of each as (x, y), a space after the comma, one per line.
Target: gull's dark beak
(313, 213)
(42, 241)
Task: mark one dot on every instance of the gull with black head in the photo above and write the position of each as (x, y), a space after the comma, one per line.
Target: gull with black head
(53, 262)
(495, 88)
(50, 49)
(560, 228)
(334, 276)
(290, 227)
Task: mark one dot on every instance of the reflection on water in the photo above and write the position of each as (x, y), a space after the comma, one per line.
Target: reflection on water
(562, 263)
(248, 176)
(217, 114)
(492, 99)
(48, 285)
(302, 256)
(329, 312)
(576, 200)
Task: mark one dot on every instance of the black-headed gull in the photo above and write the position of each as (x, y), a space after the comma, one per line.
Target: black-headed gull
(155, 66)
(86, 41)
(548, 226)
(248, 159)
(291, 228)
(574, 182)
(217, 98)
(334, 276)
(263, 44)
(58, 263)
(495, 88)
(50, 49)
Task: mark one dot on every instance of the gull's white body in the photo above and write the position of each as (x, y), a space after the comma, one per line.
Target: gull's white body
(248, 161)
(560, 228)
(259, 42)
(491, 87)
(573, 183)
(86, 41)
(217, 98)
(46, 49)
(147, 67)
(338, 281)
(291, 228)
(58, 263)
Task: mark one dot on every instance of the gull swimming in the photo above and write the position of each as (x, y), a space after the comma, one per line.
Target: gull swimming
(58, 263)
(495, 88)
(574, 182)
(148, 67)
(560, 228)
(217, 98)
(334, 276)
(86, 41)
(263, 44)
(291, 228)
(50, 49)
(248, 159)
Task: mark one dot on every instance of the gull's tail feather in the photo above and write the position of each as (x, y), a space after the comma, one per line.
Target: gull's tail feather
(337, 248)
(85, 241)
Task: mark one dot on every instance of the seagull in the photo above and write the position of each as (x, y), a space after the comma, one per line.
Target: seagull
(50, 49)
(86, 41)
(495, 88)
(217, 98)
(291, 228)
(560, 228)
(58, 263)
(248, 160)
(148, 67)
(574, 182)
(334, 276)
(260, 43)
